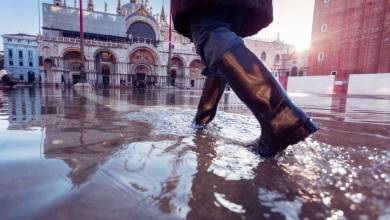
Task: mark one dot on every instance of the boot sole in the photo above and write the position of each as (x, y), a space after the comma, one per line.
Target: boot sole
(294, 137)
(301, 133)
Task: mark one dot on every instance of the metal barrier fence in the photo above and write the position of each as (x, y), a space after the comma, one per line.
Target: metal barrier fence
(114, 80)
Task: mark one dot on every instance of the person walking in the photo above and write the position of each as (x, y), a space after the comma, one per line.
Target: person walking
(217, 28)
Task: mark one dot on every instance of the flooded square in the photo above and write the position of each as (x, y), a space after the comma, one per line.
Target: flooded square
(132, 154)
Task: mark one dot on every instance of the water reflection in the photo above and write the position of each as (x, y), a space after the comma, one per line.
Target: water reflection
(119, 154)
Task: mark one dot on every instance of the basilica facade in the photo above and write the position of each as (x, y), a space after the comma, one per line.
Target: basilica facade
(130, 47)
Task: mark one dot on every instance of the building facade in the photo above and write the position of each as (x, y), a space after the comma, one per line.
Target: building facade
(1, 60)
(21, 57)
(129, 47)
(350, 37)
(271, 52)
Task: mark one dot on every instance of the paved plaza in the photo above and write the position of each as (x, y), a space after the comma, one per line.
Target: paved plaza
(132, 154)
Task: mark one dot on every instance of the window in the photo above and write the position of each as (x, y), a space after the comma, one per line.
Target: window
(30, 64)
(20, 54)
(324, 28)
(20, 63)
(333, 73)
(30, 54)
(21, 77)
(277, 59)
(321, 56)
(263, 56)
(10, 54)
(11, 63)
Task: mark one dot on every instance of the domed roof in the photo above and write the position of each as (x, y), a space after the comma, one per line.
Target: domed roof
(129, 8)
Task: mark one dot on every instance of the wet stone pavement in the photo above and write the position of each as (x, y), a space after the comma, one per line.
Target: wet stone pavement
(123, 154)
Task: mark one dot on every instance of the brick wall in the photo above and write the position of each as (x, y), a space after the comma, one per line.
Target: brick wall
(355, 38)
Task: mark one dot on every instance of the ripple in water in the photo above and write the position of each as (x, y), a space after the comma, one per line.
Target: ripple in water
(342, 180)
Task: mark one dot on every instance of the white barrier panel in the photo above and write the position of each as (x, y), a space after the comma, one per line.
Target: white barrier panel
(311, 84)
(369, 84)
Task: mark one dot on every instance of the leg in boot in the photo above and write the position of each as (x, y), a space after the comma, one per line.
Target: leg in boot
(282, 122)
(212, 92)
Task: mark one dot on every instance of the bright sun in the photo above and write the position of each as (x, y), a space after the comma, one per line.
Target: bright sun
(301, 44)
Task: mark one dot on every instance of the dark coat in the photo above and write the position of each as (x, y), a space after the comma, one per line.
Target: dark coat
(256, 14)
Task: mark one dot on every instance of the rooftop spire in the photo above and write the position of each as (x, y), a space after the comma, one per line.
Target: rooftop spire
(90, 6)
(162, 15)
(119, 8)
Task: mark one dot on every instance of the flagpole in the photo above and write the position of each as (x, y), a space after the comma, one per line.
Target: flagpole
(83, 77)
(170, 39)
(39, 17)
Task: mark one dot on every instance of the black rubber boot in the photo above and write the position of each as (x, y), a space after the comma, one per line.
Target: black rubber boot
(212, 92)
(282, 122)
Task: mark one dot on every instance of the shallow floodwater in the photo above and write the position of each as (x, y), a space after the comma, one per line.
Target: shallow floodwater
(132, 154)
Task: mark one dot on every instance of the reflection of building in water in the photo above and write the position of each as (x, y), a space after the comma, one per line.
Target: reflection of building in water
(129, 47)
(24, 108)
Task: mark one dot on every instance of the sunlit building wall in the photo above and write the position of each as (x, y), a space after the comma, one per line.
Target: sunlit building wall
(350, 37)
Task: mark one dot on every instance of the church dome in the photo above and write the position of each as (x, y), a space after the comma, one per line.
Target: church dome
(130, 8)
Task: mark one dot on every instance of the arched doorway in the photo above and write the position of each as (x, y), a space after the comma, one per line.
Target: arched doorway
(72, 66)
(196, 67)
(294, 71)
(141, 73)
(177, 72)
(48, 72)
(142, 61)
(105, 67)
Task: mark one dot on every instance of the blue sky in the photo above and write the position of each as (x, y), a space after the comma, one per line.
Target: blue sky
(293, 18)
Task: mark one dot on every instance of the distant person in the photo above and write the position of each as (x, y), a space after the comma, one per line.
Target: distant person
(5, 80)
(216, 28)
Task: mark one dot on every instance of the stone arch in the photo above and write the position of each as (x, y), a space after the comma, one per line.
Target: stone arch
(48, 65)
(105, 66)
(143, 55)
(142, 31)
(177, 65)
(134, 19)
(105, 58)
(71, 60)
(196, 67)
(196, 79)
(143, 62)
(177, 72)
